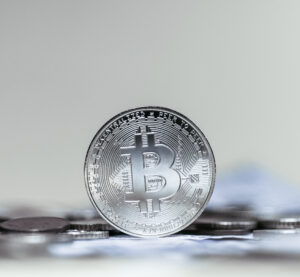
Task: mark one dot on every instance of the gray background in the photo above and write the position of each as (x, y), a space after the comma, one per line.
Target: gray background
(66, 67)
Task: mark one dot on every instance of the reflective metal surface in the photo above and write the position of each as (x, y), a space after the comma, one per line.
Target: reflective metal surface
(288, 222)
(35, 224)
(86, 235)
(222, 223)
(149, 172)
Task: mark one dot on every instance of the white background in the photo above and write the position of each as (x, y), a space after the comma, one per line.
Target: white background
(66, 67)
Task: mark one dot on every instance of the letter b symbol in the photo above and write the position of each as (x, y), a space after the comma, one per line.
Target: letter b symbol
(151, 184)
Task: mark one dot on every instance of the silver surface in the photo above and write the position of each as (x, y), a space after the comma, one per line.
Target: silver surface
(86, 235)
(222, 223)
(288, 222)
(149, 172)
(35, 224)
(216, 232)
(91, 225)
(271, 233)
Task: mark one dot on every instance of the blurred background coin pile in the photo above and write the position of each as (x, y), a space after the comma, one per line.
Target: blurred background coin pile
(28, 231)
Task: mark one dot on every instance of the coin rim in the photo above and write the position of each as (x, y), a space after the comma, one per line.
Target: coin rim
(279, 223)
(208, 147)
(86, 235)
(49, 230)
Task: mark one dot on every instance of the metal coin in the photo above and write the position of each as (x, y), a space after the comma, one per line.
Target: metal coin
(231, 212)
(35, 224)
(87, 235)
(32, 238)
(149, 172)
(274, 233)
(280, 223)
(222, 223)
(91, 225)
(229, 232)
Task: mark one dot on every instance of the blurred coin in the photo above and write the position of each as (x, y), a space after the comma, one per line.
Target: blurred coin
(231, 212)
(150, 172)
(233, 232)
(274, 233)
(86, 235)
(279, 223)
(214, 223)
(32, 238)
(91, 225)
(35, 224)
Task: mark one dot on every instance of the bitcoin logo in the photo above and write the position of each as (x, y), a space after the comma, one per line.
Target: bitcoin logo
(149, 171)
(153, 179)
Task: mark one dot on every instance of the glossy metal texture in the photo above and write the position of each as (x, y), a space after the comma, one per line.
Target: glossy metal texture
(149, 172)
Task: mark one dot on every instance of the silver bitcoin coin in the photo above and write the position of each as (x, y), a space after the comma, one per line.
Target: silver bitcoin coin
(149, 172)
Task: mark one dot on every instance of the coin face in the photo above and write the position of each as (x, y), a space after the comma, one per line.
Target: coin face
(149, 172)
